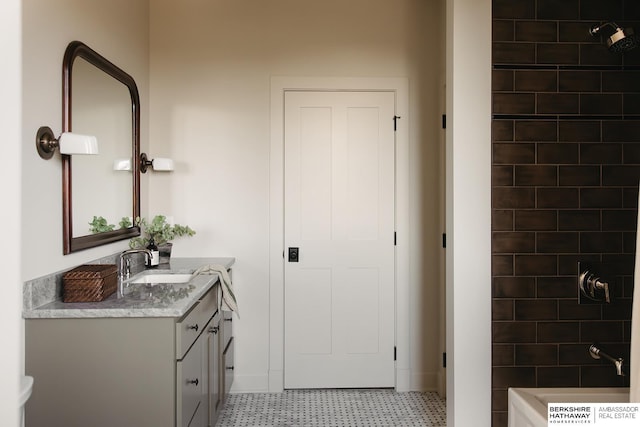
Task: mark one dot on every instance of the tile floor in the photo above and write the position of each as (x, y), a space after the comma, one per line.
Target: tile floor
(334, 408)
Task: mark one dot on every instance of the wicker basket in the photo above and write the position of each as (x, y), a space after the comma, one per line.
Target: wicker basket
(89, 283)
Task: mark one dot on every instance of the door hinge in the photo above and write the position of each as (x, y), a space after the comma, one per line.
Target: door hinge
(444, 240)
(395, 122)
(395, 239)
(395, 353)
(444, 121)
(444, 359)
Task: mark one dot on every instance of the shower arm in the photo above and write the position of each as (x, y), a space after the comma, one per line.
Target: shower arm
(595, 30)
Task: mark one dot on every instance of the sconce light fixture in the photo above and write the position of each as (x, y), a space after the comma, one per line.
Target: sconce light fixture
(158, 164)
(67, 143)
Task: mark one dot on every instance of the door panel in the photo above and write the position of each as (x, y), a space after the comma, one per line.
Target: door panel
(339, 210)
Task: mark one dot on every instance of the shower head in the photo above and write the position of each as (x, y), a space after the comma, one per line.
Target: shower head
(621, 40)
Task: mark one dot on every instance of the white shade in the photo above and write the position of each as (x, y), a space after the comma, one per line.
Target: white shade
(122, 165)
(162, 164)
(73, 143)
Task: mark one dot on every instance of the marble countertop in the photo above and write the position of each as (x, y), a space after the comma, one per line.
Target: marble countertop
(141, 300)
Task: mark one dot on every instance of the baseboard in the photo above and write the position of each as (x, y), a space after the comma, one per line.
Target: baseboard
(250, 384)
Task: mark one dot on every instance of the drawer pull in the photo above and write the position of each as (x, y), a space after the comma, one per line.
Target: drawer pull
(230, 368)
(194, 327)
(213, 330)
(230, 319)
(194, 382)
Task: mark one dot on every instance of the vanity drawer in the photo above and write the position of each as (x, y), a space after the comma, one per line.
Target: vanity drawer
(192, 325)
(189, 386)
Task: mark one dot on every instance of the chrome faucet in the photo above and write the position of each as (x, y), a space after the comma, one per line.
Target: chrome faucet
(596, 353)
(125, 261)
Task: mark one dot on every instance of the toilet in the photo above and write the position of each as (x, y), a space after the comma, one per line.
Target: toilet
(26, 386)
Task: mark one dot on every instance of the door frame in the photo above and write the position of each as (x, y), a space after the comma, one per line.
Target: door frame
(279, 85)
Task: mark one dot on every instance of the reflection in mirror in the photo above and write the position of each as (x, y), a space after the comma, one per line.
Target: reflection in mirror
(110, 121)
(102, 100)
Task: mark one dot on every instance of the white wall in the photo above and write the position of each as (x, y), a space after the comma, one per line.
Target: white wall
(468, 213)
(117, 29)
(211, 65)
(10, 113)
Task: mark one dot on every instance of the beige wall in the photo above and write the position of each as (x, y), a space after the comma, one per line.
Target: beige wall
(211, 65)
(117, 29)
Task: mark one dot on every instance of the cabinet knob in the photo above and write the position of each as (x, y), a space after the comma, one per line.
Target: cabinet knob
(230, 319)
(229, 368)
(194, 382)
(194, 327)
(213, 330)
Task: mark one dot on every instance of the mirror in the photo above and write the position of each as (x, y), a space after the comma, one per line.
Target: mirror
(102, 100)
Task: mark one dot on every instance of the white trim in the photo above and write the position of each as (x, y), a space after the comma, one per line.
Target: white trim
(276, 226)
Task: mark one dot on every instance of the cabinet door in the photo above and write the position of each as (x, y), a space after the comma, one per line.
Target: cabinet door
(213, 370)
(189, 387)
(227, 368)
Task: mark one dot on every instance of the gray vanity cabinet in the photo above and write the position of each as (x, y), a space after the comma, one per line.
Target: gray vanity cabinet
(127, 372)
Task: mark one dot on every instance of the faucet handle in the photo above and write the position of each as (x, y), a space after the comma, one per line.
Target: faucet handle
(604, 286)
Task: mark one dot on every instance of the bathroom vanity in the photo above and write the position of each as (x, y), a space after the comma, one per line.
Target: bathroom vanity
(160, 356)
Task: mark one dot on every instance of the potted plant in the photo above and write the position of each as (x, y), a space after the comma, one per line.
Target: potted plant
(161, 232)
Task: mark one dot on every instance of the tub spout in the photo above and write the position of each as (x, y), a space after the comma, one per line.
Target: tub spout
(597, 353)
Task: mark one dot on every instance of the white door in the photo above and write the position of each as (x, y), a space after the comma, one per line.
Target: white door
(339, 214)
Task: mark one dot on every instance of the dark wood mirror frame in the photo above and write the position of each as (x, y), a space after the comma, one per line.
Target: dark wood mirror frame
(71, 243)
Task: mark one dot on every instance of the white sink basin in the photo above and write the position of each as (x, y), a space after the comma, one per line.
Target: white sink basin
(162, 278)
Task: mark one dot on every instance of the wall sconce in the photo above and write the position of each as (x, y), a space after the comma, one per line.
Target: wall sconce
(158, 164)
(67, 143)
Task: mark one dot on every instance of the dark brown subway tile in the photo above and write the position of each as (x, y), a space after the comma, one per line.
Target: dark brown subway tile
(630, 198)
(557, 103)
(579, 131)
(619, 220)
(578, 176)
(514, 332)
(556, 242)
(499, 418)
(596, 10)
(555, 10)
(558, 332)
(502, 81)
(536, 175)
(601, 104)
(599, 242)
(536, 81)
(597, 54)
(575, 354)
(627, 81)
(536, 354)
(535, 265)
(499, 399)
(631, 104)
(568, 263)
(579, 81)
(513, 198)
(514, 287)
(536, 31)
(558, 153)
(560, 198)
(632, 10)
(621, 131)
(502, 220)
(502, 265)
(574, 31)
(601, 198)
(557, 376)
(502, 176)
(602, 331)
(538, 130)
(631, 154)
(622, 264)
(514, 377)
(536, 220)
(502, 355)
(597, 153)
(502, 309)
(556, 287)
(536, 309)
(514, 103)
(619, 175)
(579, 220)
(513, 153)
(514, 9)
(571, 310)
(514, 53)
(513, 242)
(503, 30)
(619, 310)
(558, 53)
(502, 130)
(601, 376)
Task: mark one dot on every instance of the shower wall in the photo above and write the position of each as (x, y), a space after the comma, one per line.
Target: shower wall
(566, 165)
